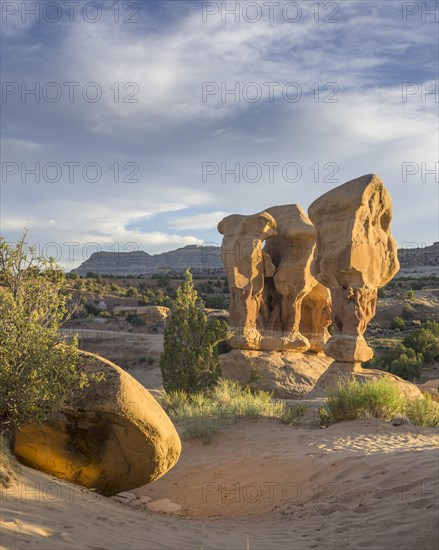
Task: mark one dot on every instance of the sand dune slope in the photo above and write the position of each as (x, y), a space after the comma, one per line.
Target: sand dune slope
(355, 485)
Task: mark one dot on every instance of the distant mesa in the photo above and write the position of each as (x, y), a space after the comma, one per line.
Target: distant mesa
(206, 260)
(201, 259)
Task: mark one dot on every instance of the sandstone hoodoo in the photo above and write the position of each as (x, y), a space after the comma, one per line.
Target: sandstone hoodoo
(267, 257)
(277, 307)
(112, 437)
(291, 275)
(355, 255)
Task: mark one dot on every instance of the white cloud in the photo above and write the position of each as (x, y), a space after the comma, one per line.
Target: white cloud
(208, 220)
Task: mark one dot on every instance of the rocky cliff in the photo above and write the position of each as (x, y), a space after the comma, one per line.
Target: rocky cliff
(207, 260)
(200, 259)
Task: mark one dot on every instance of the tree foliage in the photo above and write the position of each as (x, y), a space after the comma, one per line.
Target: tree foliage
(397, 323)
(190, 357)
(38, 370)
(425, 340)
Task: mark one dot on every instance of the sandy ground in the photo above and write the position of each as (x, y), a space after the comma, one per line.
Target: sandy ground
(258, 485)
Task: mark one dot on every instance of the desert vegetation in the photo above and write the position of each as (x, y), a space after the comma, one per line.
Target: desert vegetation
(190, 356)
(38, 369)
(201, 414)
(407, 357)
(352, 400)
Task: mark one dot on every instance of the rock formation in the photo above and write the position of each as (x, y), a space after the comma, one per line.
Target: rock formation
(290, 252)
(355, 255)
(267, 257)
(268, 283)
(113, 436)
(201, 259)
(288, 374)
(316, 316)
(284, 293)
(246, 268)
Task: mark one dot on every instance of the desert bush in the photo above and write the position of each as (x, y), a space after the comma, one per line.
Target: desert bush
(423, 412)
(132, 292)
(201, 414)
(425, 340)
(408, 312)
(411, 295)
(134, 320)
(216, 301)
(190, 355)
(351, 399)
(397, 323)
(92, 309)
(408, 364)
(403, 362)
(38, 369)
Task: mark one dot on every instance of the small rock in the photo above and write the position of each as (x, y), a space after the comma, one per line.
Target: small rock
(145, 499)
(126, 496)
(164, 505)
(136, 503)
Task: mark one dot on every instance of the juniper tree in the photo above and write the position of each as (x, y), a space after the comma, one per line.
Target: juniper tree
(190, 357)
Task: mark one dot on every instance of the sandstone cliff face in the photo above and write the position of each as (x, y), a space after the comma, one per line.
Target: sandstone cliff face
(112, 437)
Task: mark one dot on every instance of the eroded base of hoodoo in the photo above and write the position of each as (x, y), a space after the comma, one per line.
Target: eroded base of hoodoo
(338, 371)
(288, 374)
(251, 338)
(346, 348)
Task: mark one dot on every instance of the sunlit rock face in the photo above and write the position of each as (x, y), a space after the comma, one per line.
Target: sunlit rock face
(246, 268)
(355, 255)
(291, 276)
(316, 317)
(267, 257)
(113, 436)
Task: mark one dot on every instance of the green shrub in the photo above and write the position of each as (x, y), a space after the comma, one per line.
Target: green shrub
(38, 369)
(411, 295)
(105, 314)
(351, 399)
(397, 323)
(423, 412)
(403, 362)
(381, 293)
(408, 365)
(425, 340)
(216, 301)
(190, 355)
(132, 292)
(408, 312)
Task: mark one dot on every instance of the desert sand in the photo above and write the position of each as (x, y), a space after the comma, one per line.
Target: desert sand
(258, 485)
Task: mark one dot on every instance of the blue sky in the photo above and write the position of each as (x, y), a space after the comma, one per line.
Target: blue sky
(290, 143)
